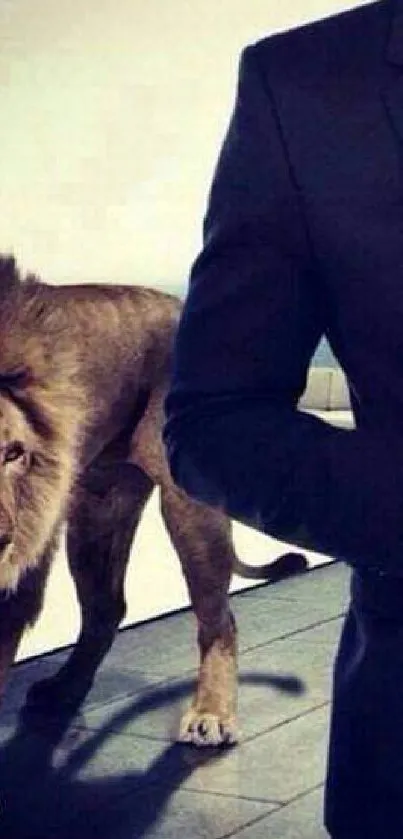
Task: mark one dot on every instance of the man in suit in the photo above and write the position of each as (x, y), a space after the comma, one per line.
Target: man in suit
(303, 237)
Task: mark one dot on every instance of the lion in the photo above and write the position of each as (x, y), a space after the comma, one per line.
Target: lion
(84, 370)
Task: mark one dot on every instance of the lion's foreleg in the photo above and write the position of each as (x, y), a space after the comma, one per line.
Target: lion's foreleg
(10, 638)
(99, 537)
(18, 610)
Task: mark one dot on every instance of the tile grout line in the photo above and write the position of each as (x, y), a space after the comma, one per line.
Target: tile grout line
(245, 826)
(293, 632)
(248, 824)
(287, 721)
(178, 676)
(276, 805)
(270, 813)
(247, 740)
(299, 796)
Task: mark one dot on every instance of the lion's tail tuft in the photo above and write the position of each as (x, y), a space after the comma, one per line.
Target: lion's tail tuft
(287, 565)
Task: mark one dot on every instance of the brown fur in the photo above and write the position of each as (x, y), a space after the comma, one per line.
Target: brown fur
(83, 375)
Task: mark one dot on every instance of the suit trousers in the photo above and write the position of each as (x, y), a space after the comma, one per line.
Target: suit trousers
(364, 788)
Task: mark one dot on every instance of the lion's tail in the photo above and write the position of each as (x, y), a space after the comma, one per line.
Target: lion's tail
(286, 565)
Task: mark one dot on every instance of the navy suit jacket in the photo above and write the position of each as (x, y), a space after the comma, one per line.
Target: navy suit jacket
(303, 237)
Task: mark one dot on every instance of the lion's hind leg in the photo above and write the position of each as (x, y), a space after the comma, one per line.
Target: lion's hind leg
(202, 540)
(201, 537)
(99, 538)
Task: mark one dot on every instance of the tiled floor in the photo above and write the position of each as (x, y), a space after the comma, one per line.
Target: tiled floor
(116, 772)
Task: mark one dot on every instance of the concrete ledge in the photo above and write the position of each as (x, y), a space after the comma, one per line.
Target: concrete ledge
(326, 395)
(341, 419)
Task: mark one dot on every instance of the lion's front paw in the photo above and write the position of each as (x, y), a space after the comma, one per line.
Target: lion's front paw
(206, 729)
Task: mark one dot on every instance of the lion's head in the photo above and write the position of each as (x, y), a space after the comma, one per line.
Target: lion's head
(32, 494)
(40, 420)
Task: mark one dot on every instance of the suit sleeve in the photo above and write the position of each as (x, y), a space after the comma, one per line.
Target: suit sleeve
(251, 321)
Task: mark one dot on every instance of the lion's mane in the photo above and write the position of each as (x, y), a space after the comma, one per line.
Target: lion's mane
(39, 374)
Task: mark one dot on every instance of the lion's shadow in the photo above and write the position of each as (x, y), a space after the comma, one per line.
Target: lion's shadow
(40, 799)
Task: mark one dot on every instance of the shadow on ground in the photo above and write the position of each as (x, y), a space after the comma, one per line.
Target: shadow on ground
(41, 799)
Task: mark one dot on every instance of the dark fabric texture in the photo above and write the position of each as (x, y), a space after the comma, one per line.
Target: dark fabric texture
(303, 237)
(365, 765)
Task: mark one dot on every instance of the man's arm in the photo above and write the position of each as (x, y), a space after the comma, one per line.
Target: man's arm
(250, 324)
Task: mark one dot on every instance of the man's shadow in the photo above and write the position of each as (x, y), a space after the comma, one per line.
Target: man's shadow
(41, 799)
